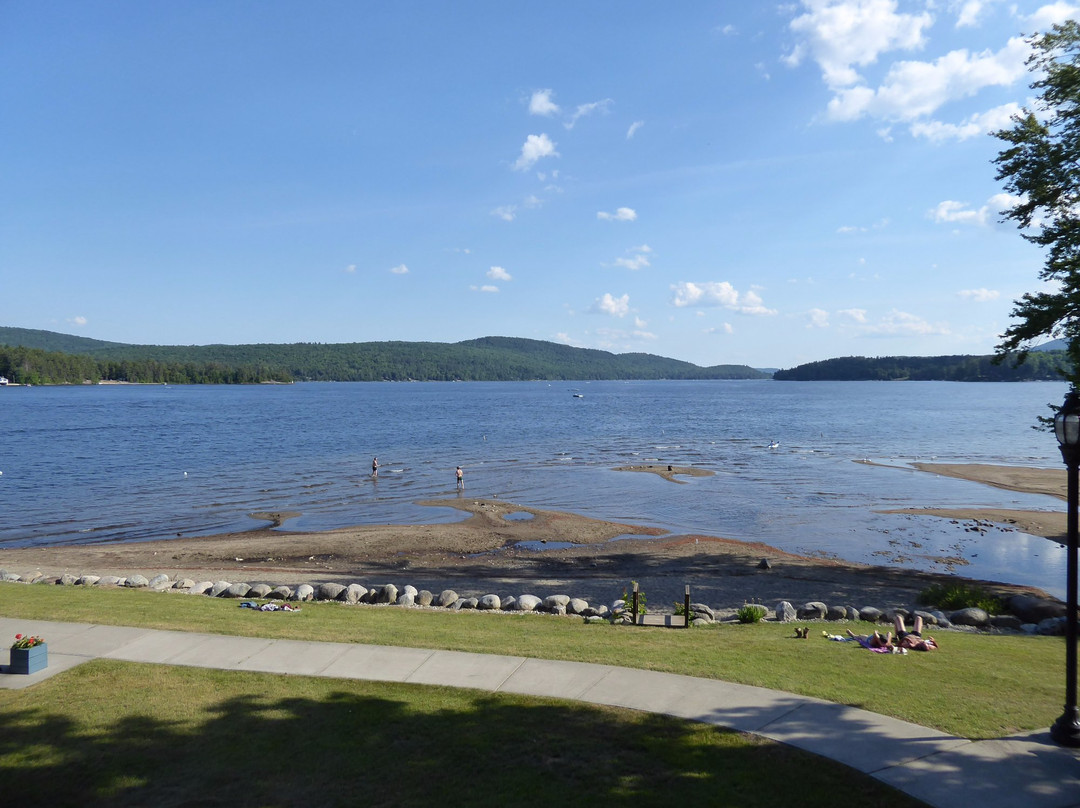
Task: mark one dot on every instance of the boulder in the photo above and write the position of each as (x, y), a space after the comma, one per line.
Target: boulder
(328, 591)
(528, 603)
(304, 592)
(467, 603)
(238, 590)
(88, 580)
(388, 594)
(1052, 627)
(929, 618)
(184, 583)
(108, 580)
(136, 581)
(576, 606)
(201, 588)
(870, 614)
(9, 577)
(853, 613)
(218, 588)
(160, 581)
(785, 612)
(703, 609)
(489, 603)
(509, 604)
(447, 598)
(406, 599)
(556, 604)
(972, 616)
(836, 613)
(424, 598)
(279, 593)
(1009, 622)
(259, 590)
(814, 610)
(30, 577)
(603, 610)
(409, 589)
(1031, 609)
(353, 593)
(941, 619)
(67, 579)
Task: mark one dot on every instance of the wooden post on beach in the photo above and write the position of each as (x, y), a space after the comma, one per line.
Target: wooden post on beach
(686, 606)
(634, 606)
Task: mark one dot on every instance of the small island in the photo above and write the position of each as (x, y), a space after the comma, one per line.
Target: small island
(669, 472)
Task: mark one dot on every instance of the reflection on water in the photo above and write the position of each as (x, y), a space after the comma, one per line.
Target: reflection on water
(90, 464)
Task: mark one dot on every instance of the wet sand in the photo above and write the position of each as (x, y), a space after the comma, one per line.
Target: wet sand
(498, 548)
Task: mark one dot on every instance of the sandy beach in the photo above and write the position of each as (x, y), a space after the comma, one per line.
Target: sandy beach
(482, 554)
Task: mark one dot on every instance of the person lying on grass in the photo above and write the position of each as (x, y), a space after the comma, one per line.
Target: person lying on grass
(913, 639)
(875, 642)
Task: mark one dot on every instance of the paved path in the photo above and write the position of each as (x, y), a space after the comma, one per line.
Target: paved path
(1024, 771)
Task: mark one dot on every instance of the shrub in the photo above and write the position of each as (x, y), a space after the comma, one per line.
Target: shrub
(960, 596)
(751, 613)
(628, 599)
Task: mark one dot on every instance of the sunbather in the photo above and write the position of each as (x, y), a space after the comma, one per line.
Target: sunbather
(913, 639)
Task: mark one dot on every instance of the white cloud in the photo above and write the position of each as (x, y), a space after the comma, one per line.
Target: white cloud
(633, 129)
(536, 147)
(615, 306)
(718, 294)
(505, 212)
(1053, 14)
(639, 258)
(725, 328)
(588, 109)
(499, 274)
(952, 212)
(350, 269)
(620, 215)
(819, 318)
(485, 288)
(968, 11)
(980, 123)
(77, 320)
(541, 103)
(400, 269)
(841, 35)
(728, 30)
(913, 89)
(855, 315)
(901, 323)
(639, 323)
(980, 295)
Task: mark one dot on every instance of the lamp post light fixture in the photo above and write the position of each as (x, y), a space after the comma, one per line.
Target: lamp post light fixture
(1066, 730)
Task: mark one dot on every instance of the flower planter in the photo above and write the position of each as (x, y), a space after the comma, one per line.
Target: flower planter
(30, 660)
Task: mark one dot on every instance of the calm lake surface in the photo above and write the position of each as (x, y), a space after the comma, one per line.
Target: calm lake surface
(107, 463)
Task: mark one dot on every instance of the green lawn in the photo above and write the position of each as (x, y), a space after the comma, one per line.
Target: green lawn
(121, 733)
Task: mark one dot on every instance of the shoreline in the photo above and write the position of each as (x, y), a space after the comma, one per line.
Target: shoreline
(498, 549)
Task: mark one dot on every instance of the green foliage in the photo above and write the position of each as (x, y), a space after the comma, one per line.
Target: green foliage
(628, 599)
(751, 613)
(487, 359)
(1040, 167)
(1039, 366)
(954, 596)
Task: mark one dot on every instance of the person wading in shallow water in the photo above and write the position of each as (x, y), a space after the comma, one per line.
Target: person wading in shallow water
(374, 467)
(460, 476)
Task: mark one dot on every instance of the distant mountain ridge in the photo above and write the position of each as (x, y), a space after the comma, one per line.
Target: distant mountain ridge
(484, 359)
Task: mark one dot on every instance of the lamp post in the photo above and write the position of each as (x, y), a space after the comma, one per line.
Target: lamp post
(1066, 730)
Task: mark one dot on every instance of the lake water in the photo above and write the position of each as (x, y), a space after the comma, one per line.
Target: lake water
(107, 463)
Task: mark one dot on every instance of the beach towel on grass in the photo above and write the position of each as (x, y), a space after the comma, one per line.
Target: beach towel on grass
(269, 607)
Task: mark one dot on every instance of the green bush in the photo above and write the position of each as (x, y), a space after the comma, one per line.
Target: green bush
(751, 613)
(961, 596)
(628, 599)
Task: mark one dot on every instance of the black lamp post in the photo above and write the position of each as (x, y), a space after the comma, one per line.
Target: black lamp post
(1066, 730)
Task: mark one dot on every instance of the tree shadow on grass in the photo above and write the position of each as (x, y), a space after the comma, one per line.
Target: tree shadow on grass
(356, 743)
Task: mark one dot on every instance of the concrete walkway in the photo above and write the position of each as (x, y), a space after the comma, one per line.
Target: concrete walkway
(1027, 770)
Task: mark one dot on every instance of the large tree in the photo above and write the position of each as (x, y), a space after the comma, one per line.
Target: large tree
(1041, 167)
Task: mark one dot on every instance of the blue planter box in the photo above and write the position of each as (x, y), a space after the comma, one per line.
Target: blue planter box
(30, 660)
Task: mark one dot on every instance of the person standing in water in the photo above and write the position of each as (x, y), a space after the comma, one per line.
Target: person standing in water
(374, 467)
(460, 479)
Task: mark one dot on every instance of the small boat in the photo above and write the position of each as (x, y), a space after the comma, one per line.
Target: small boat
(578, 395)
(774, 445)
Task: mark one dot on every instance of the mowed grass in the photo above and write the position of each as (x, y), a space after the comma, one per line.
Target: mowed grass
(978, 686)
(116, 733)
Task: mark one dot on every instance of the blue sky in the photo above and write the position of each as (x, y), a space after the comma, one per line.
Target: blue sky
(725, 182)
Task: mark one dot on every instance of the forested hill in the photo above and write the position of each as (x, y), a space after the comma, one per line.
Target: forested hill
(1039, 366)
(487, 359)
